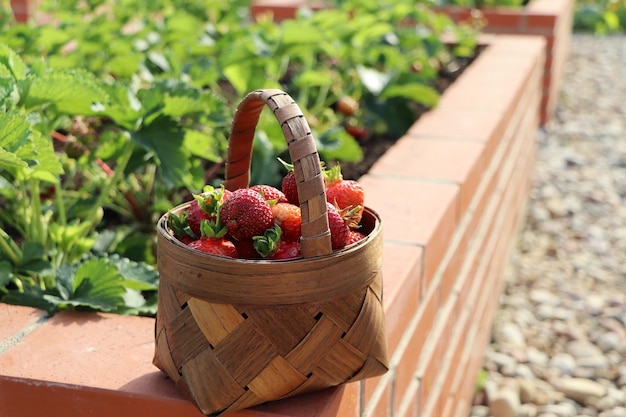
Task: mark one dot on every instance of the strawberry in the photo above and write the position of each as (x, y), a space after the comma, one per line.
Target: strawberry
(270, 193)
(195, 215)
(205, 206)
(354, 236)
(287, 250)
(288, 217)
(289, 186)
(345, 194)
(347, 105)
(213, 241)
(339, 230)
(246, 214)
(246, 250)
(359, 133)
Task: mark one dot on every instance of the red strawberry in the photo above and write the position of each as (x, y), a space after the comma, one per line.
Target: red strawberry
(195, 216)
(246, 214)
(213, 241)
(214, 246)
(246, 250)
(339, 230)
(288, 217)
(345, 194)
(287, 250)
(270, 193)
(289, 185)
(290, 188)
(354, 236)
(205, 206)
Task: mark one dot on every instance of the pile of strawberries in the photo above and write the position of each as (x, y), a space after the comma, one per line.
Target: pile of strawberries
(264, 222)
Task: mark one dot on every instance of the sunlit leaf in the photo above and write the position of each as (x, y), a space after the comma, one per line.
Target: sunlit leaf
(420, 93)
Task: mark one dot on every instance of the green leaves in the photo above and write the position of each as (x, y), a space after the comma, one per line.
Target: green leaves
(99, 284)
(96, 284)
(12, 62)
(24, 152)
(70, 92)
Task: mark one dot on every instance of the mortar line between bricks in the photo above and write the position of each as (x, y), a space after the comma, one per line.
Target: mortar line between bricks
(367, 411)
(13, 340)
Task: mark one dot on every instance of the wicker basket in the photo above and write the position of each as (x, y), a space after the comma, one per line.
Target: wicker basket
(235, 333)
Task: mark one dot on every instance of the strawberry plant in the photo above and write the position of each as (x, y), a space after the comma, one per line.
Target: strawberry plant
(46, 257)
(58, 197)
(115, 110)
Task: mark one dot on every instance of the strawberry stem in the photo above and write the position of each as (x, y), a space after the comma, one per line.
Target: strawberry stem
(268, 243)
(333, 175)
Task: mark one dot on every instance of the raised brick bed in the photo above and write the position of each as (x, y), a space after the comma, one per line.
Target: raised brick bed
(551, 19)
(451, 194)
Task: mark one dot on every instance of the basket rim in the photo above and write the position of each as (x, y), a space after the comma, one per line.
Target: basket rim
(266, 282)
(162, 228)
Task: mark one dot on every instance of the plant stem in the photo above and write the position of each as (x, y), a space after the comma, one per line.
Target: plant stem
(38, 232)
(13, 253)
(122, 161)
(60, 205)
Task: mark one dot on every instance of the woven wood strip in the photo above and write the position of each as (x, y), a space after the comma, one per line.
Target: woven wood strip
(163, 358)
(216, 321)
(245, 352)
(185, 338)
(286, 325)
(372, 366)
(339, 363)
(367, 324)
(211, 385)
(279, 378)
(312, 384)
(311, 351)
(343, 311)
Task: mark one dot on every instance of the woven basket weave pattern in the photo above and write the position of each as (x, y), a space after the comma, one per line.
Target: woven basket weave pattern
(236, 333)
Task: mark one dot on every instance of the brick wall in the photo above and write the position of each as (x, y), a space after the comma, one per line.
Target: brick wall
(451, 194)
(21, 10)
(551, 19)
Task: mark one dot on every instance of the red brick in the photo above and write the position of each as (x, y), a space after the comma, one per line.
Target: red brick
(501, 17)
(427, 214)
(409, 402)
(16, 322)
(402, 288)
(451, 161)
(406, 358)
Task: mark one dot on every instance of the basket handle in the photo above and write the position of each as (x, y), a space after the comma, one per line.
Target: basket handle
(315, 239)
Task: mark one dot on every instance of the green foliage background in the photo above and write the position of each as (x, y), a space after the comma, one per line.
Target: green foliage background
(115, 111)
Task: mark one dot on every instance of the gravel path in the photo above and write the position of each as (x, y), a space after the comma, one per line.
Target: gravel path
(558, 345)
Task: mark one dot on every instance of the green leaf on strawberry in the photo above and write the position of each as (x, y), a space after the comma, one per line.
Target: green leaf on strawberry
(269, 242)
